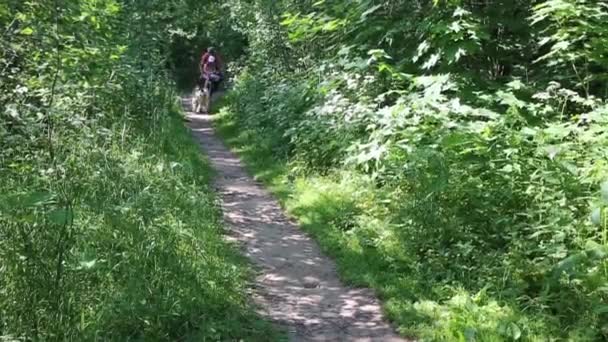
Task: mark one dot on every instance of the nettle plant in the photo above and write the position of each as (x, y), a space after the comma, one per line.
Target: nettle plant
(573, 39)
(448, 39)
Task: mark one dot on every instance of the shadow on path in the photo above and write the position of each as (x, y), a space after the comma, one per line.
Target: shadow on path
(297, 286)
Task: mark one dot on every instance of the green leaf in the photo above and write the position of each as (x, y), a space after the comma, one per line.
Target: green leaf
(60, 216)
(27, 31)
(87, 265)
(432, 61)
(470, 334)
(456, 139)
(515, 331)
(370, 11)
(595, 250)
(569, 263)
(33, 199)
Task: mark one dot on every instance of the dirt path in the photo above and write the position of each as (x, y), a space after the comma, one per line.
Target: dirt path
(297, 286)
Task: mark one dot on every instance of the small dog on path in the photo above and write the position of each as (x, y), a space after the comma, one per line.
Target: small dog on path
(200, 100)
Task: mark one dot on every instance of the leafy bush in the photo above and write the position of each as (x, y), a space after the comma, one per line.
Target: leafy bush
(480, 131)
(108, 228)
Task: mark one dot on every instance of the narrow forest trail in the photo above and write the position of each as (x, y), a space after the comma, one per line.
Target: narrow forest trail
(297, 287)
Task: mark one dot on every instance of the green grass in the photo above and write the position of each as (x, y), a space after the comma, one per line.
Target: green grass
(145, 259)
(202, 279)
(344, 213)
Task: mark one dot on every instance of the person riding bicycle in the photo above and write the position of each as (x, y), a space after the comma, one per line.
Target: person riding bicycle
(211, 69)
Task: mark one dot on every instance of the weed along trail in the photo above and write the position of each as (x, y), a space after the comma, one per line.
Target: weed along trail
(297, 287)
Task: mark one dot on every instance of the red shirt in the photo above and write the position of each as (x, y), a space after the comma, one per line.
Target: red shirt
(205, 57)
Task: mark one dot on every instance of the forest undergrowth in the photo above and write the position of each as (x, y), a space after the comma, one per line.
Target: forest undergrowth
(451, 155)
(109, 229)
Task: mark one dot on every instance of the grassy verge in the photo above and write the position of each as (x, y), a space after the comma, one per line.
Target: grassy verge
(195, 285)
(141, 254)
(343, 211)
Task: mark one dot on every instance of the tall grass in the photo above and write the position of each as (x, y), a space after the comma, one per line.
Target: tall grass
(125, 245)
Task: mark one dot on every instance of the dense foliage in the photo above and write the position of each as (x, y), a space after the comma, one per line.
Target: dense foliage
(108, 229)
(456, 148)
(450, 154)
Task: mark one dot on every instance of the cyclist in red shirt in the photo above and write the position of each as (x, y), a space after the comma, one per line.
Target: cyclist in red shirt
(210, 52)
(211, 69)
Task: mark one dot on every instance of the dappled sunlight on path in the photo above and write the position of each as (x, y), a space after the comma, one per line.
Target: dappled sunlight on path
(297, 286)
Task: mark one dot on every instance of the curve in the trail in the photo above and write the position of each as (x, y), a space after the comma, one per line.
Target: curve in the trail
(297, 286)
